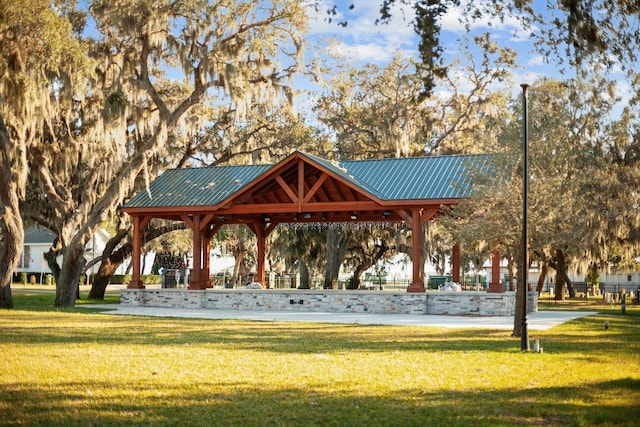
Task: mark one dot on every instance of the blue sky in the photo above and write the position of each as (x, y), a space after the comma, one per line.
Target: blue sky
(362, 41)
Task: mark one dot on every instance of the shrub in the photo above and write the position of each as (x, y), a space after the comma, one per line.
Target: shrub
(150, 279)
(120, 279)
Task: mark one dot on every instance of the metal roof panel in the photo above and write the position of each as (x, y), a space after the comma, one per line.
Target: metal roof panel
(417, 178)
(342, 171)
(196, 186)
(413, 178)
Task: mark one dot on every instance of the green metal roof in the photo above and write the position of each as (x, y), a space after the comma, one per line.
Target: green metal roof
(416, 178)
(342, 171)
(196, 186)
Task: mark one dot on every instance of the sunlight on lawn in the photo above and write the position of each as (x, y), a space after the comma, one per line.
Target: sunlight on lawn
(77, 368)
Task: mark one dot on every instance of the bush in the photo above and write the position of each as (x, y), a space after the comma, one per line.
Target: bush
(150, 279)
(120, 279)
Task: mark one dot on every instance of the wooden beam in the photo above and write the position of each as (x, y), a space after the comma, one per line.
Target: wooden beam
(188, 220)
(174, 212)
(206, 221)
(274, 208)
(406, 216)
(144, 221)
(300, 180)
(429, 213)
(315, 188)
(286, 188)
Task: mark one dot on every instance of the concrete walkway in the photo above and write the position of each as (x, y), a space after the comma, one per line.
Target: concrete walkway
(541, 320)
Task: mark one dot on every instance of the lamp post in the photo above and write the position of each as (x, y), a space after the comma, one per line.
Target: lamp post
(524, 332)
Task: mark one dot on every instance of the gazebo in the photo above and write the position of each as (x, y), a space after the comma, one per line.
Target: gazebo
(304, 188)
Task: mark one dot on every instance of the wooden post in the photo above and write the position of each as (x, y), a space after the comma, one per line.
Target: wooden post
(196, 279)
(206, 259)
(262, 248)
(495, 285)
(417, 282)
(455, 263)
(136, 282)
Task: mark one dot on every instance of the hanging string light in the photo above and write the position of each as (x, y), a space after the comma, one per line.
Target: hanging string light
(364, 225)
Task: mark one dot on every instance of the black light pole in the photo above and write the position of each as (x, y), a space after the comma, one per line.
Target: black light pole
(524, 333)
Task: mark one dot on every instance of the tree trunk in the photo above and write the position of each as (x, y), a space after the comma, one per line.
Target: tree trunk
(69, 279)
(51, 256)
(112, 258)
(510, 269)
(354, 281)
(544, 270)
(337, 244)
(304, 275)
(239, 259)
(559, 264)
(380, 250)
(101, 279)
(521, 287)
(592, 279)
(10, 249)
(11, 225)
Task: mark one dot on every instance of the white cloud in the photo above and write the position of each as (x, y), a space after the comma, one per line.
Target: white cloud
(367, 52)
(363, 40)
(624, 92)
(510, 27)
(536, 60)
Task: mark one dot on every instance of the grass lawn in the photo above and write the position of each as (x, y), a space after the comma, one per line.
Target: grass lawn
(75, 367)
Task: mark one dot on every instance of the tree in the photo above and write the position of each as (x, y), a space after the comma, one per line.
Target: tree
(130, 114)
(568, 125)
(378, 112)
(302, 249)
(37, 52)
(577, 33)
(336, 248)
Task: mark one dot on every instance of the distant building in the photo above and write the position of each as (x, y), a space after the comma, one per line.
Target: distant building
(38, 240)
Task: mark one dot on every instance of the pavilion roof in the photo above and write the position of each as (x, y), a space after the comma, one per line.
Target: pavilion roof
(398, 179)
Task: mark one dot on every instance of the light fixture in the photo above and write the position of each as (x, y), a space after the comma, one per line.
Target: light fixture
(385, 214)
(306, 216)
(220, 217)
(354, 216)
(267, 219)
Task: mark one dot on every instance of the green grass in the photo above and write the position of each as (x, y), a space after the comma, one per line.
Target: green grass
(42, 297)
(73, 367)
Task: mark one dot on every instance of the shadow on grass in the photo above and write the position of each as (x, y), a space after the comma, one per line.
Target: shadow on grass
(239, 403)
(585, 335)
(75, 328)
(76, 325)
(589, 335)
(43, 300)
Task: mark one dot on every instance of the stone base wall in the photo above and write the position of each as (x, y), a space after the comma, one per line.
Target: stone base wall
(299, 300)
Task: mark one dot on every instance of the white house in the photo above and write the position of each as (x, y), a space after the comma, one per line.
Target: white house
(38, 240)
